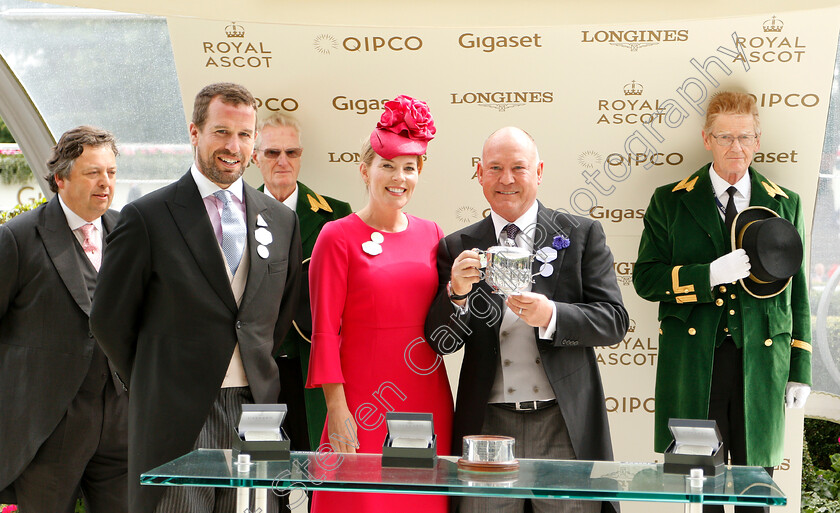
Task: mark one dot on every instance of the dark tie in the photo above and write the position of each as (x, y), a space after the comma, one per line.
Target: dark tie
(731, 212)
(511, 230)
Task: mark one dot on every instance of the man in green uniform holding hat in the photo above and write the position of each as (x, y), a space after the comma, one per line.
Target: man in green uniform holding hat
(734, 343)
(278, 154)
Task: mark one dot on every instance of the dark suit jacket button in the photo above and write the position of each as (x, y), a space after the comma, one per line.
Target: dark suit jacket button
(90, 334)
(238, 324)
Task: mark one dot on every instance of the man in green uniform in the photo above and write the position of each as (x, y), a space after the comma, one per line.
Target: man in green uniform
(724, 353)
(278, 155)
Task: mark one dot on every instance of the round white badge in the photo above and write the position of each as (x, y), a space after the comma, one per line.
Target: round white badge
(263, 236)
(371, 248)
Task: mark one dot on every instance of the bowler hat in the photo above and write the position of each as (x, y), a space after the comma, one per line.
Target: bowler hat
(773, 246)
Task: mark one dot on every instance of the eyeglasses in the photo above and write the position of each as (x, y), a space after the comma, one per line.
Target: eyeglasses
(291, 153)
(746, 141)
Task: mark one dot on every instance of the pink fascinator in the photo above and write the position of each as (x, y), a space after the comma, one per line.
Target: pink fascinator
(405, 128)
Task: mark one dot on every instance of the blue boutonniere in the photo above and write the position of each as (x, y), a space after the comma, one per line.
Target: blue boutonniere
(561, 242)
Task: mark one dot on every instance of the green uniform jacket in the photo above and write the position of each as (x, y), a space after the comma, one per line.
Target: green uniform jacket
(313, 216)
(683, 234)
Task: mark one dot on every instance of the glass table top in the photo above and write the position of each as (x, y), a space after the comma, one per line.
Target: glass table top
(561, 479)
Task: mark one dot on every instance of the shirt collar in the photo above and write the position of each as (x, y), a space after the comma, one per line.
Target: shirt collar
(720, 185)
(526, 223)
(74, 221)
(207, 188)
(291, 201)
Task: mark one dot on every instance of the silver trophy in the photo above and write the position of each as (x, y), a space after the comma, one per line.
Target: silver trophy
(507, 269)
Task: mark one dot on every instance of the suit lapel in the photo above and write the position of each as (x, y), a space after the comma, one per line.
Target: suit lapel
(255, 204)
(190, 216)
(109, 220)
(758, 194)
(551, 224)
(700, 203)
(310, 221)
(60, 242)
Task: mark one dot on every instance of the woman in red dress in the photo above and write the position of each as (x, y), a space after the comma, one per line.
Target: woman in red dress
(373, 276)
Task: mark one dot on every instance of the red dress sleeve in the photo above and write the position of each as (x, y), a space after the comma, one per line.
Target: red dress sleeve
(328, 272)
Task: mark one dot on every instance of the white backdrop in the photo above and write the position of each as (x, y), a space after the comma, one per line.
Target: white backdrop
(613, 92)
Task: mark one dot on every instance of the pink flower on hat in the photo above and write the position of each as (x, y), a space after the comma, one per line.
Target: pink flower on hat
(408, 117)
(405, 128)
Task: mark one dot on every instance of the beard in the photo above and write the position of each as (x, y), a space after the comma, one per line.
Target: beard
(218, 174)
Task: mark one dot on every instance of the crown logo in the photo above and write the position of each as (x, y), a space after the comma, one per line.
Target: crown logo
(632, 328)
(773, 25)
(234, 30)
(633, 89)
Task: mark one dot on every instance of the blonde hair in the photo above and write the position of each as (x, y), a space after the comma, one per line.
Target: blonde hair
(729, 102)
(277, 119)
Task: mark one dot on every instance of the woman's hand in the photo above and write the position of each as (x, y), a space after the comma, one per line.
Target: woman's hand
(341, 426)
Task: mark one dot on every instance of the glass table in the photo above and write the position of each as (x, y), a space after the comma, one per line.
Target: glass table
(557, 479)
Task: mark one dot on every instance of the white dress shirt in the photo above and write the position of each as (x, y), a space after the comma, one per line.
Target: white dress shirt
(719, 185)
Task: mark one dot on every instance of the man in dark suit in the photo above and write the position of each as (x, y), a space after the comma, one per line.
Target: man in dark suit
(529, 369)
(200, 282)
(278, 154)
(64, 413)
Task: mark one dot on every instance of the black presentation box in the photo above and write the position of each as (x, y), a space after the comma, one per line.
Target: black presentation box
(258, 424)
(410, 442)
(697, 444)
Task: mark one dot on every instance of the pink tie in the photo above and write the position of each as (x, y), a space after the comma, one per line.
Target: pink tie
(90, 248)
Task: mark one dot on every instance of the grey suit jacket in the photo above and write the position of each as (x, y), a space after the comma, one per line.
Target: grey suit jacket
(45, 344)
(590, 313)
(165, 314)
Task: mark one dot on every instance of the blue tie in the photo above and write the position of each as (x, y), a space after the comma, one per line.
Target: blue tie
(233, 231)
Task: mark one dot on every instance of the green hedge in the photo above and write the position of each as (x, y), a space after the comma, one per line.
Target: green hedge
(14, 169)
(6, 215)
(821, 467)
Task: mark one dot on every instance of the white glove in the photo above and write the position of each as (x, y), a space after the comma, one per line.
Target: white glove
(730, 267)
(796, 394)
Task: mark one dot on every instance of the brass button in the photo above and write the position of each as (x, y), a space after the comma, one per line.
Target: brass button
(768, 342)
(732, 296)
(660, 331)
(667, 292)
(726, 330)
(692, 331)
(731, 312)
(722, 289)
(719, 302)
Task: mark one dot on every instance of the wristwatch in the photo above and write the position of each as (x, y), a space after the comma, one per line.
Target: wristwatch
(456, 297)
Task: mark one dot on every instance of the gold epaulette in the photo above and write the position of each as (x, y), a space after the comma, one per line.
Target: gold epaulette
(319, 203)
(686, 184)
(773, 189)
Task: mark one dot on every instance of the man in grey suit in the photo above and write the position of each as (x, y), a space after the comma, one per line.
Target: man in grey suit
(198, 290)
(64, 412)
(529, 370)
